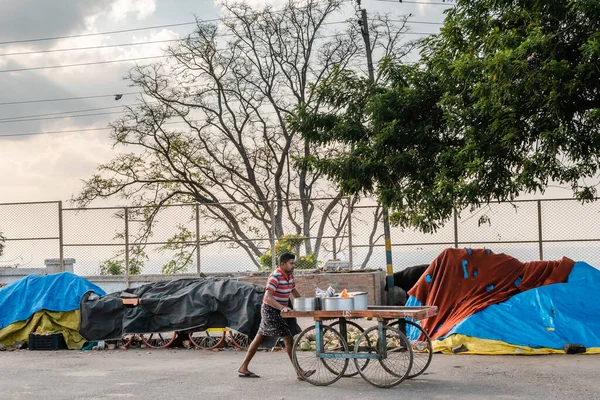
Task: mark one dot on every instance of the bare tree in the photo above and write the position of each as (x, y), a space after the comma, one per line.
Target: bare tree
(211, 126)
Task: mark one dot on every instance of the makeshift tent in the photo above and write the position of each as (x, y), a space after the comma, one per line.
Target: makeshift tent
(461, 282)
(537, 316)
(179, 305)
(43, 304)
(544, 318)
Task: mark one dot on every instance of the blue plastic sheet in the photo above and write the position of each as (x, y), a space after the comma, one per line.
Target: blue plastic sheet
(57, 292)
(548, 316)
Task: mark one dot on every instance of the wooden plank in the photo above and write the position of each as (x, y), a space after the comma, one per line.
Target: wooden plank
(382, 314)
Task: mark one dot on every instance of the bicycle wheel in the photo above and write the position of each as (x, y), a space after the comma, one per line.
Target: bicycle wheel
(310, 366)
(208, 339)
(159, 340)
(239, 340)
(422, 349)
(125, 341)
(394, 356)
(353, 332)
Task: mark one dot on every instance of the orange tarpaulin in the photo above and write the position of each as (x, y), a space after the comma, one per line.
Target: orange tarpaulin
(461, 282)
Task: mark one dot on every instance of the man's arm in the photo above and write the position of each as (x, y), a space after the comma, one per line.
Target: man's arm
(274, 303)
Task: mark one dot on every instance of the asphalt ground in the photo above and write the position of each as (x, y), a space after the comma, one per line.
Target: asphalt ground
(173, 374)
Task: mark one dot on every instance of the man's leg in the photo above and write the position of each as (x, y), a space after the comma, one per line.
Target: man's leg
(243, 369)
(289, 346)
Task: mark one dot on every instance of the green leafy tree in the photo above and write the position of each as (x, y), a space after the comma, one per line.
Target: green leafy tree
(504, 100)
(117, 265)
(288, 244)
(184, 251)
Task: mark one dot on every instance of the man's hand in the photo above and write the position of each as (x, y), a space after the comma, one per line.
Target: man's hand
(285, 309)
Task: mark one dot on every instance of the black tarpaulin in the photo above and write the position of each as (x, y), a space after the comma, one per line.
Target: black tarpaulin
(179, 305)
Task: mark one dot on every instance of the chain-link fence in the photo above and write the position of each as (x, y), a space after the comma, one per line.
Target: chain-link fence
(238, 237)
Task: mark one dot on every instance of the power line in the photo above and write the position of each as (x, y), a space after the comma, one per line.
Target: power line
(66, 112)
(60, 117)
(127, 30)
(53, 132)
(79, 130)
(418, 22)
(141, 58)
(22, 53)
(104, 33)
(79, 64)
(67, 98)
(448, 4)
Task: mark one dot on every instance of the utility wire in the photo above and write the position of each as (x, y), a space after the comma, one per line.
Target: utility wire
(79, 64)
(67, 98)
(22, 53)
(66, 112)
(448, 4)
(53, 132)
(141, 58)
(128, 30)
(108, 46)
(104, 33)
(60, 117)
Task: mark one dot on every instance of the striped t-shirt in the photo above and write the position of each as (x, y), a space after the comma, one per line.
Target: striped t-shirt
(281, 285)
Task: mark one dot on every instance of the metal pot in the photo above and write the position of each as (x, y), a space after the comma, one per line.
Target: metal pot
(304, 304)
(337, 303)
(360, 300)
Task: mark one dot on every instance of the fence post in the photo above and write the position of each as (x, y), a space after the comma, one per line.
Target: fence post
(455, 229)
(127, 246)
(61, 238)
(273, 236)
(198, 238)
(350, 257)
(541, 243)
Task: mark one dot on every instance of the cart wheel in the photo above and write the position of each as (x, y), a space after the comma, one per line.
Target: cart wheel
(305, 358)
(353, 329)
(207, 340)
(125, 341)
(159, 340)
(395, 362)
(239, 340)
(422, 349)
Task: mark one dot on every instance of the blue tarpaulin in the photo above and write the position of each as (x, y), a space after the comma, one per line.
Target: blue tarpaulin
(549, 316)
(57, 292)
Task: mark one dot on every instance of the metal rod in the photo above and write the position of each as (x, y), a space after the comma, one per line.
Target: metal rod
(127, 246)
(61, 237)
(350, 257)
(539, 207)
(198, 238)
(28, 203)
(382, 342)
(42, 238)
(319, 337)
(202, 242)
(455, 229)
(273, 236)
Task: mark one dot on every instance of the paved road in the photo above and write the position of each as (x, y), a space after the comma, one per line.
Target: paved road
(190, 374)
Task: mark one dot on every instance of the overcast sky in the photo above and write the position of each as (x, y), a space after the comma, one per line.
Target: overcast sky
(51, 166)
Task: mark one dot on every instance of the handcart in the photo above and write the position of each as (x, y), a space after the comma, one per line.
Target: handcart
(381, 354)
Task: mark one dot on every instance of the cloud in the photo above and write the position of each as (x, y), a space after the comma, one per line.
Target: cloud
(31, 19)
(122, 8)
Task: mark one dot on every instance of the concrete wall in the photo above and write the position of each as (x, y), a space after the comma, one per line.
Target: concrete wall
(306, 282)
(368, 281)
